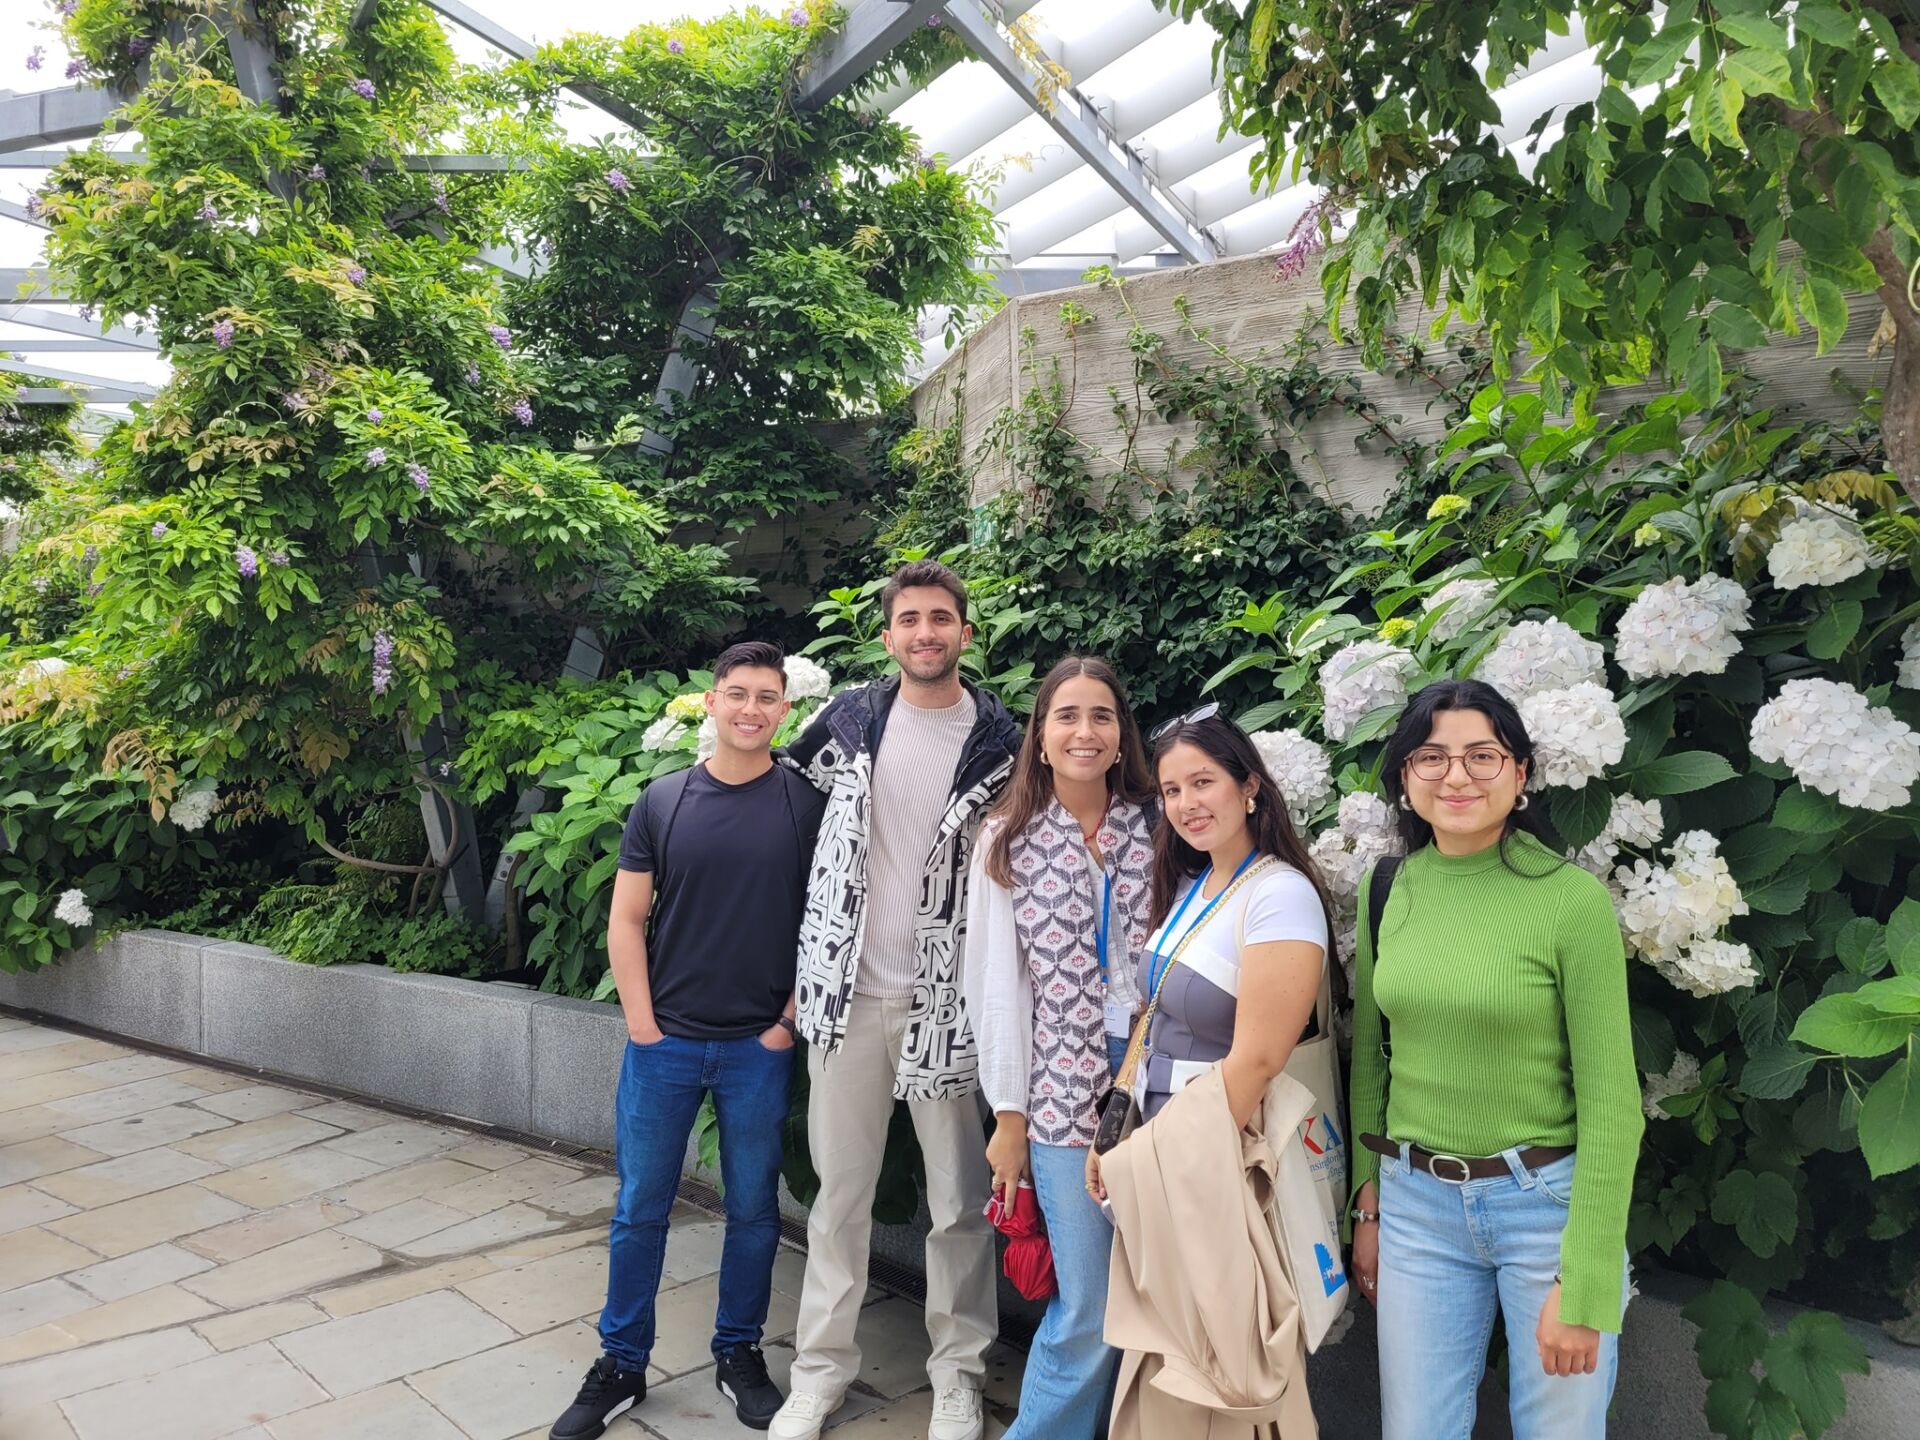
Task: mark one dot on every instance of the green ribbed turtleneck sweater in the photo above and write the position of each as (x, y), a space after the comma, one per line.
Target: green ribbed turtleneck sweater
(1508, 1001)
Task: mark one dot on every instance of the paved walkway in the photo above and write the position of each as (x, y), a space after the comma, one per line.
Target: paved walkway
(189, 1254)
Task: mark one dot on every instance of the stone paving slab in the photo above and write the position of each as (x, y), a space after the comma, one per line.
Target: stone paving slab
(195, 1254)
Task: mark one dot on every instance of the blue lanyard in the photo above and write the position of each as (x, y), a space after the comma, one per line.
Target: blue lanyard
(1106, 915)
(1159, 963)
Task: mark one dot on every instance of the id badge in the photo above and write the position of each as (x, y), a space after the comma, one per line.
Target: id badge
(1119, 1019)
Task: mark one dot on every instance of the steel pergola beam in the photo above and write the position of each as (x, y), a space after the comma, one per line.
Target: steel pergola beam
(130, 389)
(1076, 121)
(871, 31)
(33, 345)
(53, 117)
(508, 43)
(40, 318)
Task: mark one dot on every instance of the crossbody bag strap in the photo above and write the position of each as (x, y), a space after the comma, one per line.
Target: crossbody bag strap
(1378, 888)
(1138, 1041)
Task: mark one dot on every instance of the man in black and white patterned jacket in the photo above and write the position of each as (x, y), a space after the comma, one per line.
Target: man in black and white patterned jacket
(878, 996)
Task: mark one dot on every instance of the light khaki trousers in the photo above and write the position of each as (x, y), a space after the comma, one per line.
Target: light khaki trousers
(848, 1109)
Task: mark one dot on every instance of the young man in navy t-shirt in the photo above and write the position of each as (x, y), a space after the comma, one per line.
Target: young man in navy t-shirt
(702, 937)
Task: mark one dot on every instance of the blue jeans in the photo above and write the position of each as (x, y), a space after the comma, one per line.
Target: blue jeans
(661, 1086)
(1450, 1255)
(1068, 1386)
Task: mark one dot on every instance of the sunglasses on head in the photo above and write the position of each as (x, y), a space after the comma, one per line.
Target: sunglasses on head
(1192, 717)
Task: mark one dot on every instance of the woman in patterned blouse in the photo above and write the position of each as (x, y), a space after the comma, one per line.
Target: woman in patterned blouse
(1058, 910)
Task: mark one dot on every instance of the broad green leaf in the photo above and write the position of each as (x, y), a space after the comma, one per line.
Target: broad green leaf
(1808, 812)
(1653, 1046)
(1862, 946)
(1784, 894)
(1805, 1363)
(1761, 1207)
(1896, 82)
(1757, 851)
(1829, 636)
(1760, 72)
(1825, 304)
(1776, 1072)
(1714, 110)
(1681, 772)
(1896, 995)
(1656, 59)
(1735, 326)
(1703, 374)
(1733, 1329)
(1828, 24)
(1890, 1120)
(1844, 1024)
(1903, 937)
(1580, 815)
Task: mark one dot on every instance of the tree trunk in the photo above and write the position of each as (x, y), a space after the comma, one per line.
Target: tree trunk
(1900, 398)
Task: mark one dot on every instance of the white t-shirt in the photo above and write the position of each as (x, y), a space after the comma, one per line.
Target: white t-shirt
(1280, 903)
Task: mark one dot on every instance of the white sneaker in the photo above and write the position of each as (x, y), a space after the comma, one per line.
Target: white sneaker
(957, 1415)
(802, 1416)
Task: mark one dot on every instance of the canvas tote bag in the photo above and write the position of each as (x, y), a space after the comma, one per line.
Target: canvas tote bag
(1310, 1184)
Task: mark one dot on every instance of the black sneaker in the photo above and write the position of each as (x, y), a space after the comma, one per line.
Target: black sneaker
(605, 1392)
(740, 1374)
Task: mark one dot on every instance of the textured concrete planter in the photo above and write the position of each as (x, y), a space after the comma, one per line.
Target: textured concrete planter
(547, 1066)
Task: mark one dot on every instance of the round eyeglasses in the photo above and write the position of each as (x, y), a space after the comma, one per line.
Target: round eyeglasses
(1483, 762)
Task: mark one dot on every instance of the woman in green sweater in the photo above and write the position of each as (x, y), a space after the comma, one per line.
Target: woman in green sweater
(1490, 1045)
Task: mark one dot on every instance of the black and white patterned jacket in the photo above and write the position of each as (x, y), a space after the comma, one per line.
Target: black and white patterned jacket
(835, 752)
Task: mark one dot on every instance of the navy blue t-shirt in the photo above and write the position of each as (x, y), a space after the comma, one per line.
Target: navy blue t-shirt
(729, 866)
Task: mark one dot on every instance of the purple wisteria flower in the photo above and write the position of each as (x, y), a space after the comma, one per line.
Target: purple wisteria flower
(417, 473)
(75, 69)
(933, 22)
(473, 374)
(922, 160)
(523, 411)
(440, 201)
(36, 57)
(318, 172)
(223, 334)
(89, 559)
(796, 16)
(374, 416)
(207, 211)
(502, 336)
(139, 46)
(676, 46)
(617, 182)
(363, 87)
(1304, 241)
(377, 456)
(295, 401)
(357, 274)
(280, 558)
(159, 529)
(67, 7)
(86, 312)
(95, 588)
(36, 207)
(382, 661)
(248, 562)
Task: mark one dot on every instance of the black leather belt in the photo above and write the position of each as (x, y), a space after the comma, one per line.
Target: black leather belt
(1458, 1169)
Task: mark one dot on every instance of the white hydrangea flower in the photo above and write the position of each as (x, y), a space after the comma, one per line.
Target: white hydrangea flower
(1820, 548)
(1909, 673)
(807, 679)
(1709, 967)
(1577, 733)
(1359, 678)
(73, 909)
(45, 668)
(1677, 628)
(1682, 1076)
(193, 809)
(708, 739)
(1537, 655)
(1364, 814)
(1669, 909)
(1344, 852)
(1300, 767)
(1636, 822)
(664, 733)
(1467, 602)
(689, 707)
(1833, 741)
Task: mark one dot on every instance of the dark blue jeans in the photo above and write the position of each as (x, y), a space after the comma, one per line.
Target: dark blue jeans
(661, 1086)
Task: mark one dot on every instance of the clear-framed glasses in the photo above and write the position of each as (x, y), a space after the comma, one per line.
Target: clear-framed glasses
(1192, 717)
(1482, 762)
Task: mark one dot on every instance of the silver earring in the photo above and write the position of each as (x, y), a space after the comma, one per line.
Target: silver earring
(1405, 803)
(1523, 802)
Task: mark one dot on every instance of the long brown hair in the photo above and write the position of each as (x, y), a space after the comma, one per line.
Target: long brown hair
(1031, 787)
(1174, 860)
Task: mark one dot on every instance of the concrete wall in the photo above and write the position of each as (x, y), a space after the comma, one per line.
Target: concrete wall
(546, 1066)
(1251, 314)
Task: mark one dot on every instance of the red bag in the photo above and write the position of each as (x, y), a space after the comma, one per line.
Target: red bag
(1029, 1262)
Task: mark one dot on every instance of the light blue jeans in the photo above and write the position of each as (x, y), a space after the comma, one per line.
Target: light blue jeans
(1068, 1387)
(1450, 1255)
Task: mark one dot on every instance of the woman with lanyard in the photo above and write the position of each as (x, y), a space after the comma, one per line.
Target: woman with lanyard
(1057, 916)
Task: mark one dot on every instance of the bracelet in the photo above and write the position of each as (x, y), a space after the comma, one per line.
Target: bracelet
(1364, 1217)
(785, 1022)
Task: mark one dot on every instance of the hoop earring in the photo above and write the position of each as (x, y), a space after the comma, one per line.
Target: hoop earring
(1523, 802)
(1405, 803)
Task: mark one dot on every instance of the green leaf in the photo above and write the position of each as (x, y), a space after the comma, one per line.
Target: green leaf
(1862, 946)
(1735, 326)
(1890, 1120)
(1757, 851)
(1653, 1045)
(1703, 376)
(1776, 1072)
(1896, 81)
(1808, 812)
(1580, 815)
(1825, 304)
(1733, 1329)
(1903, 937)
(1656, 59)
(1714, 110)
(1762, 1209)
(1829, 636)
(1760, 72)
(1681, 772)
(1756, 32)
(1828, 24)
(1844, 1024)
(1782, 895)
(1897, 995)
(1805, 1362)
